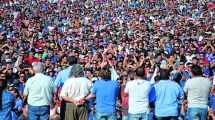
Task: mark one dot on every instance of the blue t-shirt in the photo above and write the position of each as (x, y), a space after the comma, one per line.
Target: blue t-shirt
(106, 93)
(17, 106)
(212, 101)
(165, 94)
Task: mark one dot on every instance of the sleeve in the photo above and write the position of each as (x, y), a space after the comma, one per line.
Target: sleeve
(117, 87)
(90, 103)
(26, 90)
(152, 94)
(181, 92)
(20, 105)
(64, 91)
(54, 89)
(58, 80)
(153, 76)
(214, 80)
(114, 75)
(13, 101)
(126, 90)
(186, 87)
(95, 88)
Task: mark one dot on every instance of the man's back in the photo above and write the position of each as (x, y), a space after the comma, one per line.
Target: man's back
(106, 93)
(76, 88)
(39, 89)
(138, 91)
(166, 94)
(62, 77)
(198, 92)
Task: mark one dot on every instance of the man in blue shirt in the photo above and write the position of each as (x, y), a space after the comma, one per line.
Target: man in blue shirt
(60, 80)
(165, 95)
(105, 91)
(64, 74)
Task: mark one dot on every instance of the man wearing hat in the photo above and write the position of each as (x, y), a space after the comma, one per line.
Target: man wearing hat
(51, 73)
(6, 58)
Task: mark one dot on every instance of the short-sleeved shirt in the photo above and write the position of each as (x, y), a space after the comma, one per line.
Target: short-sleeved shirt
(76, 88)
(106, 93)
(198, 92)
(62, 77)
(39, 89)
(17, 106)
(138, 91)
(165, 94)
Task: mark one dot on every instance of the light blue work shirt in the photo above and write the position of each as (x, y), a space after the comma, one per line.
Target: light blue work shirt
(39, 90)
(8, 102)
(165, 94)
(62, 77)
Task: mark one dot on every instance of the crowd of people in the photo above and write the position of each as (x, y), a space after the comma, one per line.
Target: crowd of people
(107, 59)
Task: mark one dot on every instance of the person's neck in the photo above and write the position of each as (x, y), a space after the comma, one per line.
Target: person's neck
(139, 78)
(38, 73)
(25, 114)
(196, 76)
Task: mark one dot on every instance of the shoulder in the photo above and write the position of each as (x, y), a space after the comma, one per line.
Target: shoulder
(8, 94)
(147, 82)
(45, 76)
(61, 72)
(30, 79)
(86, 80)
(129, 83)
(113, 81)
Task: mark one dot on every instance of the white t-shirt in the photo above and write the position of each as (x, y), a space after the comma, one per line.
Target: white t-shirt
(76, 88)
(138, 91)
(198, 92)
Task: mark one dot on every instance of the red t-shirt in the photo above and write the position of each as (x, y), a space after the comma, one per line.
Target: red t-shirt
(30, 61)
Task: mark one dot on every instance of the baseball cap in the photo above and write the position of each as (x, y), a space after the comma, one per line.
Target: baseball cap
(8, 60)
(6, 52)
(51, 70)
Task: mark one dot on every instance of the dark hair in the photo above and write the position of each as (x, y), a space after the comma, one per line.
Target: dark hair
(105, 74)
(3, 85)
(164, 74)
(157, 78)
(16, 90)
(196, 70)
(87, 69)
(72, 60)
(140, 72)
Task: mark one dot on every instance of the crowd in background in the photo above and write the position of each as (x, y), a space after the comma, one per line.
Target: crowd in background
(120, 36)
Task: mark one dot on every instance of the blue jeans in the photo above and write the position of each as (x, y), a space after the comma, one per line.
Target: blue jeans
(38, 112)
(91, 117)
(139, 116)
(106, 116)
(197, 113)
